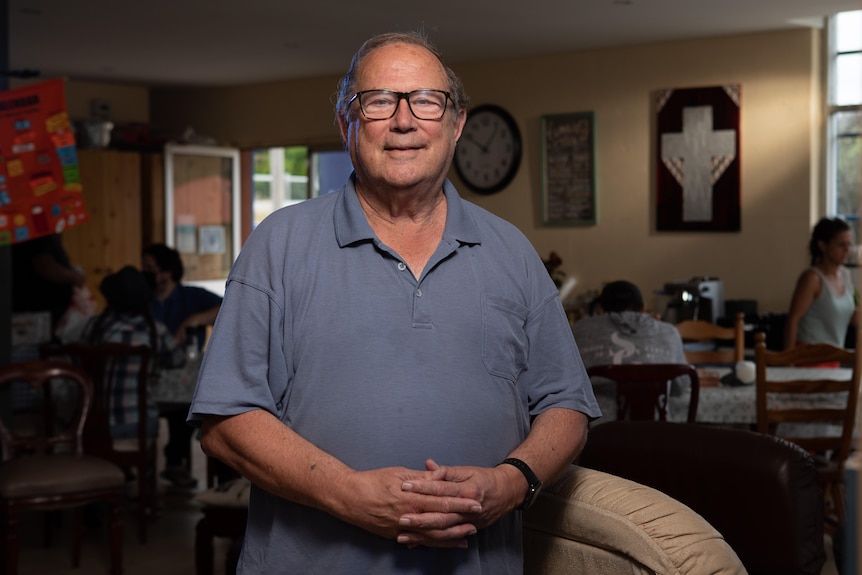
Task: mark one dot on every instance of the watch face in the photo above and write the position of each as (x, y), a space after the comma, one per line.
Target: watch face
(532, 495)
(489, 151)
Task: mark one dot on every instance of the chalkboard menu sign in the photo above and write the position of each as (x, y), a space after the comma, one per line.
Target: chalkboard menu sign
(568, 170)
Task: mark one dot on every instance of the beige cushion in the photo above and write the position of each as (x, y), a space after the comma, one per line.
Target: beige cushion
(594, 522)
(57, 474)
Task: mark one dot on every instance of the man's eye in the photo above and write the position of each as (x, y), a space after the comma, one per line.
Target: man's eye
(380, 102)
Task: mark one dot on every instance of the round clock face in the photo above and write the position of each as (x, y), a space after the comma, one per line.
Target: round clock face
(489, 151)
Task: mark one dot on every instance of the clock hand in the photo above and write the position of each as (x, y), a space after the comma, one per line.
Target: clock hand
(480, 146)
(491, 139)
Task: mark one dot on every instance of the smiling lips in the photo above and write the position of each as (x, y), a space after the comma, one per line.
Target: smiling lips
(401, 148)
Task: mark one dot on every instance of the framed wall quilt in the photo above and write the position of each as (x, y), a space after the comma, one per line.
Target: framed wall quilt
(698, 160)
(568, 169)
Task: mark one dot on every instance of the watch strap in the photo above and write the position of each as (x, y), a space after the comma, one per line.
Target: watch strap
(534, 484)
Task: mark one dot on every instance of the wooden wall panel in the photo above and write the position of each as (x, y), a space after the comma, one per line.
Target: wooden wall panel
(112, 238)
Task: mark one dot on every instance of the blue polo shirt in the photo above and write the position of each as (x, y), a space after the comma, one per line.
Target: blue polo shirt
(325, 327)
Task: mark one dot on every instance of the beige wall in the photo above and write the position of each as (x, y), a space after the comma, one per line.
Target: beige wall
(129, 103)
(780, 131)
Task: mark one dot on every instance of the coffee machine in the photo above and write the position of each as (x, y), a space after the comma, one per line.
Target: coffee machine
(698, 298)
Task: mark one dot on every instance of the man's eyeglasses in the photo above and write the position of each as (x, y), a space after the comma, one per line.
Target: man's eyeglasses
(382, 104)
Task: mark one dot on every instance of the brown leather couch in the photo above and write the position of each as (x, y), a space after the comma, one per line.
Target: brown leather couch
(761, 493)
(669, 499)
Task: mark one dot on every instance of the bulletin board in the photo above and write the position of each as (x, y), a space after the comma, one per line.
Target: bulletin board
(568, 170)
(40, 184)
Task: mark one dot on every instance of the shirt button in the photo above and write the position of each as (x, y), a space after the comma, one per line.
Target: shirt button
(402, 266)
(419, 293)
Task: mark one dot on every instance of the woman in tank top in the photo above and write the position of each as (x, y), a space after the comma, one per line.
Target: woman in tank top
(824, 301)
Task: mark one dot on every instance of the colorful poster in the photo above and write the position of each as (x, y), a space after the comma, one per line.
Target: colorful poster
(40, 185)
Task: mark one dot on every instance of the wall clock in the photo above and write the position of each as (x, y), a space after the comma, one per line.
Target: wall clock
(489, 151)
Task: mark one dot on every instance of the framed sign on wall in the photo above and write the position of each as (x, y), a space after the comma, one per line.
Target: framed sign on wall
(568, 170)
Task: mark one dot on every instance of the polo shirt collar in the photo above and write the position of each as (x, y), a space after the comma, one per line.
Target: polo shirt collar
(351, 225)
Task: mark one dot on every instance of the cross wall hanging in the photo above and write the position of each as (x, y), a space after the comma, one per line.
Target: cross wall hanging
(698, 159)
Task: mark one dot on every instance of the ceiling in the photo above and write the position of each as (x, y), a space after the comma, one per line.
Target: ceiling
(221, 42)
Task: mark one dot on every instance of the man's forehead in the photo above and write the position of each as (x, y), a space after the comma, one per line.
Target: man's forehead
(401, 61)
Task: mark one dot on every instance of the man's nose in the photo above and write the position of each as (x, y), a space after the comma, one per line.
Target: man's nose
(405, 109)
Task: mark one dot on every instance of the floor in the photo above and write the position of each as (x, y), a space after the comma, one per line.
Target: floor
(170, 549)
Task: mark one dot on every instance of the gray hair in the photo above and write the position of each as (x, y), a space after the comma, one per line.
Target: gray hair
(347, 85)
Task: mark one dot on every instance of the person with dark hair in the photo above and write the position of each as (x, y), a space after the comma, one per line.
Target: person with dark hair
(618, 332)
(392, 368)
(127, 319)
(178, 306)
(824, 299)
(621, 332)
(182, 308)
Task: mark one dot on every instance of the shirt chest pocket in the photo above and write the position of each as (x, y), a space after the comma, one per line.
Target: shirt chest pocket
(504, 337)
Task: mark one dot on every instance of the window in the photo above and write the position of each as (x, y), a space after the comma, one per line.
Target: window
(285, 176)
(844, 155)
(202, 207)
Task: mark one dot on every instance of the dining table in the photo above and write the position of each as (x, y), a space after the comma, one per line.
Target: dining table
(174, 387)
(736, 405)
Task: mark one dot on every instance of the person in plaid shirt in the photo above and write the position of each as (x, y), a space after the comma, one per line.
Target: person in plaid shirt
(127, 319)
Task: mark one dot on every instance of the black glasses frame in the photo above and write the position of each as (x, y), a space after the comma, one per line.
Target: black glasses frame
(401, 96)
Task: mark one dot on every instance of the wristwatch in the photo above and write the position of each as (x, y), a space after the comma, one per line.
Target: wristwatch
(535, 485)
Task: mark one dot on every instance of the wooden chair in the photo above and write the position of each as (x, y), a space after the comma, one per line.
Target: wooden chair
(219, 521)
(700, 331)
(105, 362)
(830, 452)
(643, 388)
(44, 466)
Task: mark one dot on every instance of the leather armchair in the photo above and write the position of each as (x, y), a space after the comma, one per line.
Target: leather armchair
(760, 492)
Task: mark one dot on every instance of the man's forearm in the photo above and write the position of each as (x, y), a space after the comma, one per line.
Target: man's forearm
(274, 457)
(556, 438)
(282, 462)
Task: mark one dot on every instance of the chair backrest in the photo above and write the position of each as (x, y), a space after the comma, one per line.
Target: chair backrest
(107, 363)
(700, 331)
(53, 429)
(771, 411)
(643, 388)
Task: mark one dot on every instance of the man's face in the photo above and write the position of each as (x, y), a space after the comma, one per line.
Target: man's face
(402, 151)
(162, 278)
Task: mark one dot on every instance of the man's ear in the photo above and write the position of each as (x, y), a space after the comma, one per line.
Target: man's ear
(342, 128)
(459, 124)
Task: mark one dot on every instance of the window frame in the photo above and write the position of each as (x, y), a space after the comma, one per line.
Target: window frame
(833, 137)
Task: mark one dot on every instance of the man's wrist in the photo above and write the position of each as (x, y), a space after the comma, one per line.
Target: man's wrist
(534, 485)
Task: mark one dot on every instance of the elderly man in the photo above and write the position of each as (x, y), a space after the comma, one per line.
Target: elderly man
(391, 367)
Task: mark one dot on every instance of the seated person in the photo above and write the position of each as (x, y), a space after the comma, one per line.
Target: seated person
(185, 310)
(621, 332)
(127, 319)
